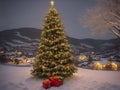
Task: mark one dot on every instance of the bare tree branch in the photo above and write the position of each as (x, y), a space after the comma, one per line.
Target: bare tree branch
(104, 17)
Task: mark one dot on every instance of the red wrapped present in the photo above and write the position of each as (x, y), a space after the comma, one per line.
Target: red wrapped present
(57, 83)
(46, 84)
(53, 78)
(53, 81)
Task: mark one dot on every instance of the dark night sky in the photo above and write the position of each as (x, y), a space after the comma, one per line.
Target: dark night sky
(30, 13)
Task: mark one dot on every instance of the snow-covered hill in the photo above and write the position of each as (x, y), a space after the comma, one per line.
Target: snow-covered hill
(19, 78)
(27, 39)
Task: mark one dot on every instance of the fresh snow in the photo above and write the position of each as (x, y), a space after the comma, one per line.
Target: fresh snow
(12, 44)
(21, 36)
(21, 44)
(15, 44)
(25, 37)
(18, 41)
(19, 78)
(36, 40)
(88, 46)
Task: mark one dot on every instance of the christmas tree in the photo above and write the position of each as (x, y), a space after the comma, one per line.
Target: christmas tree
(54, 55)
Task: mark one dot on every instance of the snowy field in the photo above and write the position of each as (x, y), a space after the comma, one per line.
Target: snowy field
(19, 78)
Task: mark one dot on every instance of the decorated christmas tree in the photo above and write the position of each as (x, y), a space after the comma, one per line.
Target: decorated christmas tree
(54, 56)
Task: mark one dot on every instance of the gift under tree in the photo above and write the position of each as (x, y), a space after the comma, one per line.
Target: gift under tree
(54, 56)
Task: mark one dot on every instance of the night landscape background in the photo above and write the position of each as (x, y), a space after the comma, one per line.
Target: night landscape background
(92, 29)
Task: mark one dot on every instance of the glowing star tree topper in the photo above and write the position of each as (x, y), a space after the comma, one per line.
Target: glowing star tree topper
(52, 3)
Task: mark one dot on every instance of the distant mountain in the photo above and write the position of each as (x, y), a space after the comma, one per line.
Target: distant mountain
(27, 39)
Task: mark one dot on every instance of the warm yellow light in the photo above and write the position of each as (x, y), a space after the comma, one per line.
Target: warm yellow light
(114, 66)
(52, 3)
(98, 66)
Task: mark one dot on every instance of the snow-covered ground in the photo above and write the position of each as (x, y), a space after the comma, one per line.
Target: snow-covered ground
(19, 78)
